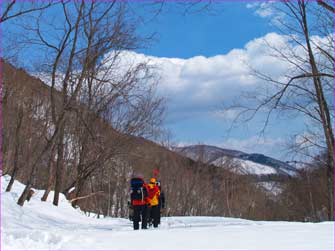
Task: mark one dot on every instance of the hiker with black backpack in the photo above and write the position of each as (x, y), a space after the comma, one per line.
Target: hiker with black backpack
(139, 202)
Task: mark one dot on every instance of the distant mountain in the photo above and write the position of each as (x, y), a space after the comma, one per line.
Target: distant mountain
(253, 164)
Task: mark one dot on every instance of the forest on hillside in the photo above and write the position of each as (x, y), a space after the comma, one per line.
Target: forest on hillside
(81, 120)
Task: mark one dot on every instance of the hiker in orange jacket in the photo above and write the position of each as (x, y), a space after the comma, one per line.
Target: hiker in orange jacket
(153, 199)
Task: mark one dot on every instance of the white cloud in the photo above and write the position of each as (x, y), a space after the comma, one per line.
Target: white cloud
(252, 5)
(227, 115)
(200, 84)
(262, 9)
(267, 9)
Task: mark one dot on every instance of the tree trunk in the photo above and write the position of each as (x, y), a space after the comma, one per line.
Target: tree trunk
(324, 114)
(311, 200)
(79, 187)
(49, 144)
(51, 176)
(16, 151)
(59, 165)
(25, 194)
(16, 166)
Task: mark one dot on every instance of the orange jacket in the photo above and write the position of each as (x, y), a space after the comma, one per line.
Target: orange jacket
(153, 194)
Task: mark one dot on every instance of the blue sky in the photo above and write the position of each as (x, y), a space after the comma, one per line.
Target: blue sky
(231, 27)
(204, 59)
(225, 26)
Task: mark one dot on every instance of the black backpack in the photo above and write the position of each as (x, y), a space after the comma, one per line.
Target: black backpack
(138, 192)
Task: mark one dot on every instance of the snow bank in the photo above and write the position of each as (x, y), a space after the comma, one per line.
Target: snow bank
(40, 225)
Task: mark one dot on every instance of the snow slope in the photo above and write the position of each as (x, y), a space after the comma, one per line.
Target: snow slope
(40, 225)
(247, 167)
(254, 164)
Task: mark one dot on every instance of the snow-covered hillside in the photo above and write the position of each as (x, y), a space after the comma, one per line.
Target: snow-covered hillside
(254, 164)
(40, 225)
(246, 166)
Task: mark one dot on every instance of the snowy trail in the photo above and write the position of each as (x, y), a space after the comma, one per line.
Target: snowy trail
(40, 225)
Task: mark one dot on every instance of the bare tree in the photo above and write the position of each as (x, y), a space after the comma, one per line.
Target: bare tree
(316, 75)
(89, 82)
(13, 9)
(307, 87)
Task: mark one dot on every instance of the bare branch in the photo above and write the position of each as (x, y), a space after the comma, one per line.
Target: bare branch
(7, 15)
(86, 196)
(326, 6)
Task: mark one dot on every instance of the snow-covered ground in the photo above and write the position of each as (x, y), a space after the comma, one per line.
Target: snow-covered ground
(40, 225)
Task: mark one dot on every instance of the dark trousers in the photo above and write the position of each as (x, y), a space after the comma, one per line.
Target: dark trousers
(155, 215)
(140, 214)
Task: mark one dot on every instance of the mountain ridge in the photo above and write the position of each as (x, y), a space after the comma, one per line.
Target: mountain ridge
(216, 155)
